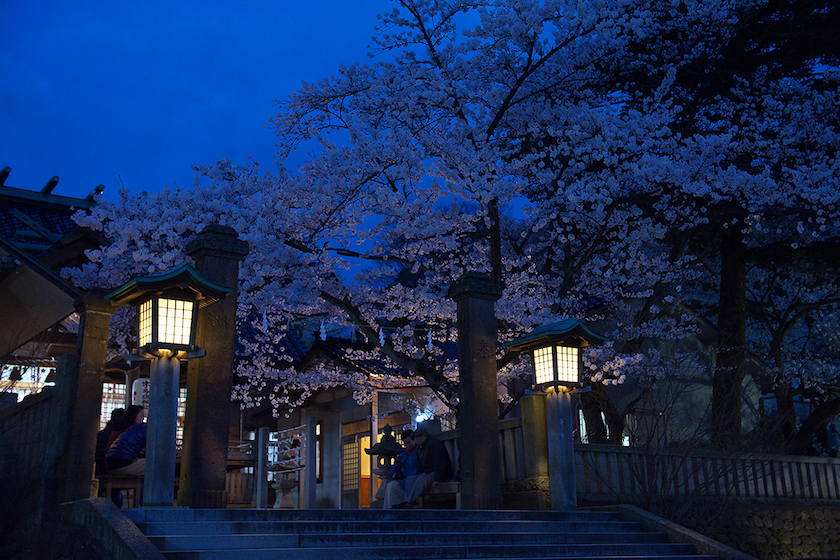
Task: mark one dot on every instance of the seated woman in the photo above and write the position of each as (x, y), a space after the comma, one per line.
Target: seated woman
(126, 454)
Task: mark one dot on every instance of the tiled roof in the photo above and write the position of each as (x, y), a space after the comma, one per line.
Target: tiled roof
(360, 356)
(34, 220)
(290, 345)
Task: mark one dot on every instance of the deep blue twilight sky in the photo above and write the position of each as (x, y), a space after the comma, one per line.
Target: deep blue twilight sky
(136, 92)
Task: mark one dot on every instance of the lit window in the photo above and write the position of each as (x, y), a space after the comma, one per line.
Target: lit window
(567, 364)
(543, 365)
(145, 334)
(174, 321)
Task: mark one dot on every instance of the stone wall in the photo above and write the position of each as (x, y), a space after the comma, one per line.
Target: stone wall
(777, 531)
(26, 436)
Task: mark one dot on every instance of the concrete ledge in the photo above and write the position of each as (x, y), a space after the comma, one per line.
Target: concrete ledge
(110, 529)
(676, 533)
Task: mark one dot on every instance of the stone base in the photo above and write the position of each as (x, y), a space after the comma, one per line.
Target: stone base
(532, 500)
(482, 501)
(203, 499)
(284, 494)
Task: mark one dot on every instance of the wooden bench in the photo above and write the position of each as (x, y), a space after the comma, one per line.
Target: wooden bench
(112, 482)
(442, 489)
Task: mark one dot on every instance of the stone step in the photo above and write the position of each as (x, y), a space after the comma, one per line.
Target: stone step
(216, 534)
(644, 557)
(512, 551)
(368, 539)
(378, 526)
(190, 514)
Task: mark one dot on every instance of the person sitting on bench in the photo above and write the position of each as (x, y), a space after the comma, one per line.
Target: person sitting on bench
(126, 455)
(433, 467)
(406, 465)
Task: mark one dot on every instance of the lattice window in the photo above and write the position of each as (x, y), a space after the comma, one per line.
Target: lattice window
(113, 396)
(182, 412)
(350, 465)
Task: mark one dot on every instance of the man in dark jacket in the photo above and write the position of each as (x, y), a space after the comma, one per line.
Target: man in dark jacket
(434, 466)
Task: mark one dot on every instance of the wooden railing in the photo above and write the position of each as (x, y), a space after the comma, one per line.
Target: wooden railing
(625, 473)
(628, 474)
(510, 437)
(606, 472)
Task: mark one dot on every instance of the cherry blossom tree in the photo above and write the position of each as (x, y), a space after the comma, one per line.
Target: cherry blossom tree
(552, 145)
(412, 159)
(793, 316)
(757, 120)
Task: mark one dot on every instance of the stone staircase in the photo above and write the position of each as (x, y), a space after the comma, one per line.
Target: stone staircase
(257, 534)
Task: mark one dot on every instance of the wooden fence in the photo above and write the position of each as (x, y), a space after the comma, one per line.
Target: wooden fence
(513, 453)
(607, 473)
(240, 489)
(610, 473)
(626, 473)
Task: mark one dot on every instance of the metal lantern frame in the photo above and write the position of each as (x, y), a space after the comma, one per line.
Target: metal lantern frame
(556, 353)
(167, 310)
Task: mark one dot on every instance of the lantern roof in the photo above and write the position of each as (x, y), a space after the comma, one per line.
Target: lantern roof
(556, 332)
(182, 277)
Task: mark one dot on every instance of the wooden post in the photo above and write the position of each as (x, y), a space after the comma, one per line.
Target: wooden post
(374, 433)
(311, 460)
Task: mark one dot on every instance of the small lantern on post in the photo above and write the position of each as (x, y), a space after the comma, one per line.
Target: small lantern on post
(167, 308)
(167, 323)
(558, 366)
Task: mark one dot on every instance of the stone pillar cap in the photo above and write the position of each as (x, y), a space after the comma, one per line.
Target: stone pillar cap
(220, 240)
(476, 285)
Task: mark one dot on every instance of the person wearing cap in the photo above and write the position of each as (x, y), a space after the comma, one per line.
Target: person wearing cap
(433, 467)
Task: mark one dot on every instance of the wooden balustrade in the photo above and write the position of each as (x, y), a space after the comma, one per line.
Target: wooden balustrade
(611, 473)
(607, 472)
(624, 473)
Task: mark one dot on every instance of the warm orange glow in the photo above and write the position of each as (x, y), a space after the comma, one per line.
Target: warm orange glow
(174, 321)
(564, 360)
(145, 334)
(567, 364)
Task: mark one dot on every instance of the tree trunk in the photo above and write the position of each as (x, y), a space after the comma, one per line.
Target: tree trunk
(495, 241)
(784, 400)
(729, 367)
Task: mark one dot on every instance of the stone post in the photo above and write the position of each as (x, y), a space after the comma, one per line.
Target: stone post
(216, 252)
(475, 295)
(534, 434)
(81, 385)
(559, 417)
(161, 441)
(261, 469)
